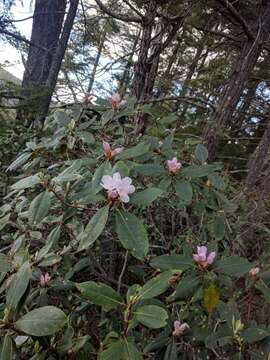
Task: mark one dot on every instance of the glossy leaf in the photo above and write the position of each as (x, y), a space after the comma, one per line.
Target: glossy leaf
(186, 287)
(178, 262)
(27, 182)
(94, 228)
(201, 153)
(132, 234)
(43, 321)
(145, 197)
(156, 286)
(7, 348)
(100, 294)
(184, 191)
(5, 264)
(151, 316)
(39, 208)
(234, 266)
(135, 151)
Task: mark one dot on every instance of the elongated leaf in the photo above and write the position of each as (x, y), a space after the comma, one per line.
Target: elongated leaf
(216, 181)
(26, 182)
(253, 335)
(184, 191)
(94, 228)
(50, 260)
(186, 287)
(132, 234)
(43, 321)
(130, 351)
(39, 208)
(171, 352)
(19, 161)
(178, 262)
(138, 150)
(201, 153)
(152, 316)
(218, 227)
(104, 169)
(100, 294)
(51, 242)
(4, 221)
(146, 197)
(114, 351)
(7, 348)
(195, 171)
(5, 264)
(18, 286)
(156, 286)
(234, 266)
(150, 169)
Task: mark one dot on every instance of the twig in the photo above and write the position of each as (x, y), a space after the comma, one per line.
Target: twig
(122, 272)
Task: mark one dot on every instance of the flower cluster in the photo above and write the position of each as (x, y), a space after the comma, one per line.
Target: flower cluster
(203, 258)
(108, 152)
(116, 102)
(254, 271)
(117, 187)
(173, 165)
(179, 328)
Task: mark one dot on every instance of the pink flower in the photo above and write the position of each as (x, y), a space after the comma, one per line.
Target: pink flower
(117, 187)
(254, 271)
(203, 258)
(116, 101)
(179, 328)
(173, 165)
(108, 152)
(44, 280)
(87, 98)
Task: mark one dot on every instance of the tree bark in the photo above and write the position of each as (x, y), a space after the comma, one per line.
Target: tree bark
(47, 26)
(240, 74)
(57, 60)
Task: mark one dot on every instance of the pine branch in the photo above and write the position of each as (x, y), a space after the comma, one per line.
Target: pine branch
(121, 17)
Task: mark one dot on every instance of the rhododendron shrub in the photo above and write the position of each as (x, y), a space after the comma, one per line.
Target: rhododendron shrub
(119, 246)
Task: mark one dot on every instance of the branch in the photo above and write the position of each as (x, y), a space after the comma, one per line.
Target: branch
(218, 33)
(187, 99)
(238, 17)
(133, 8)
(121, 17)
(21, 38)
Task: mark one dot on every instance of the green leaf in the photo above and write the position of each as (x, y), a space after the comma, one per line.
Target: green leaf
(146, 197)
(264, 289)
(86, 137)
(4, 221)
(165, 262)
(104, 169)
(218, 228)
(22, 159)
(106, 117)
(149, 169)
(43, 321)
(5, 264)
(51, 242)
(100, 294)
(135, 151)
(132, 234)
(186, 287)
(18, 286)
(151, 316)
(94, 228)
(210, 298)
(184, 191)
(201, 153)
(27, 182)
(216, 181)
(130, 351)
(7, 348)
(218, 339)
(253, 335)
(114, 351)
(70, 173)
(171, 352)
(234, 266)
(50, 260)
(39, 208)
(195, 171)
(156, 286)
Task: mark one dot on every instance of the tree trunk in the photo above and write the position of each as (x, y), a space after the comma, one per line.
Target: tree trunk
(141, 67)
(258, 160)
(240, 74)
(57, 60)
(47, 26)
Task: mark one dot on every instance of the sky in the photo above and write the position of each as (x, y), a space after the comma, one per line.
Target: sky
(10, 53)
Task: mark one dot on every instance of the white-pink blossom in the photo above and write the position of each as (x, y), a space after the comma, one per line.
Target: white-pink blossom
(254, 271)
(44, 280)
(179, 328)
(116, 101)
(108, 152)
(117, 187)
(173, 165)
(203, 258)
